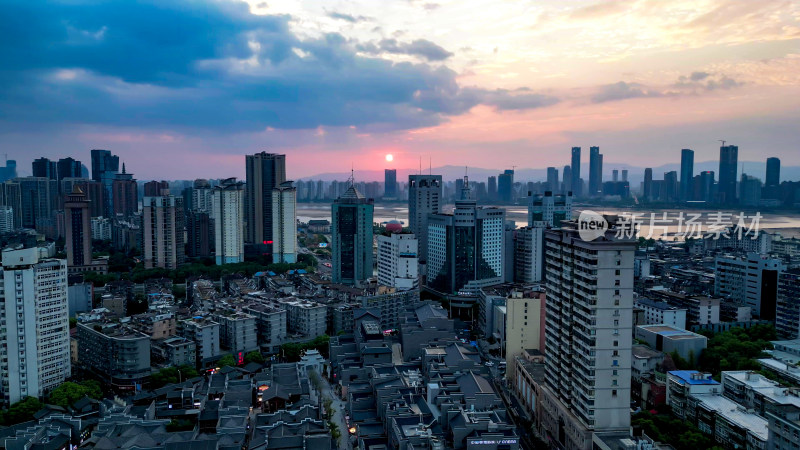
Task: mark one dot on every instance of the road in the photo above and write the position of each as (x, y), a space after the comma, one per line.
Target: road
(338, 407)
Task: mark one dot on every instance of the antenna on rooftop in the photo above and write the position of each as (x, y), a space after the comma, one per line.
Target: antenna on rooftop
(723, 141)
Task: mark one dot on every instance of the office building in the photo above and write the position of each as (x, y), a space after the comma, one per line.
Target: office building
(588, 366)
(595, 172)
(39, 199)
(11, 196)
(705, 191)
(787, 310)
(351, 234)
(35, 334)
(647, 191)
(425, 198)
(44, 168)
(398, 266)
(566, 179)
(115, 353)
(284, 223)
(154, 188)
(552, 179)
(491, 187)
(105, 167)
(728, 165)
(750, 280)
(227, 212)
(265, 172)
(162, 229)
(466, 249)
(669, 188)
(687, 175)
(68, 168)
(505, 186)
(615, 175)
(6, 219)
(550, 209)
(772, 182)
(390, 183)
(749, 190)
(78, 229)
(575, 167)
(9, 171)
(625, 175)
(125, 195)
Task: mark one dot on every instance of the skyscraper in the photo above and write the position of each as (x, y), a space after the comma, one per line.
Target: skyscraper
(9, 171)
(624, 174)
(105, 166)
(549, 209)
(68, 168)
(615, 175)
(351, 233)
(669, 191)
(39, 198)
(154, 188)
(576, 171)
(424, 198)
(390, 183)
(227, 212)
(773, 178)
(552, 179)
(466, 248)
(44, 168)
(201, 195)
(706, 190)
(78, 229)
(94, 192)
(199, 234)
(588, 365)
(595, 172)
(687, 175)
(505, 186)
(162, 228)
(648, 184)
(492, 188)
(11, 196)
(35, 306)
(728, 161)
(265, 172)
(566, 177)
(284, 223)
(126, 196)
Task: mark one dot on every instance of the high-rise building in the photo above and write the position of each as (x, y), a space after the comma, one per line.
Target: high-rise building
(162, 229)
(687, 175)
(669, 190)
(117, 354)
(199, 234)
(44, 168)
(749, 190)
(728, 162)
(390, 183)
(787, 310)
(154, 188)
(227, 212)
(706, 190)
(284, 223)
(589, 325)
(11, 196)
(6, 219)
(126, 197)
(624, 175)
(615, 175)
(576, 171)
(773, 179)
(68, 168)
(78, 229)
(491, 188)
(595, 172)
(524, 327)
(566, 177)
(105, 167)
(466, 249)
(351, 233)
(529, 254)
(265, 172)
(94, 192)
(552, 179)
(505, 186)
(750, 280)
(549, 209)
(398, 266)
(201, 196)
(35, 333)
(648, 184)
(424, 198)
(39, 198)
(9, 171)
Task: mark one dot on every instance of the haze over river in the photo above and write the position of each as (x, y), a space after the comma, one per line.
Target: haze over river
(786, 223)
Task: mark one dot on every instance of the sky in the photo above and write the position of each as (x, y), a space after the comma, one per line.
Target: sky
(183, 89)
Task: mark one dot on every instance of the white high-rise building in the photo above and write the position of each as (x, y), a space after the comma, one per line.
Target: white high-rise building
(163, 232)
(6, 219)
(424, 197)
(398, 265)
(34, 338)
(227, 211)
(529, 254)
(201, 195)
(284, 223)
(588, 334)
(750, 280)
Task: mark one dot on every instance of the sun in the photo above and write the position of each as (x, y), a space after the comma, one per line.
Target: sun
(389, 157)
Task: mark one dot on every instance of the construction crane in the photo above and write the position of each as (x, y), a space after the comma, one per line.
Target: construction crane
(723, 142)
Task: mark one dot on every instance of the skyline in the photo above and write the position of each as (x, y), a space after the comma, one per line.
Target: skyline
(338, 83)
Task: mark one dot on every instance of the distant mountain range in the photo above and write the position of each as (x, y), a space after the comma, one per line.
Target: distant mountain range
(635, 173)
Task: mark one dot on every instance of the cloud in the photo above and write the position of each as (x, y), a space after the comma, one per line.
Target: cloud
(698, 81)
(348, 17)
(215, 68)
(623, 91)
(699, 76)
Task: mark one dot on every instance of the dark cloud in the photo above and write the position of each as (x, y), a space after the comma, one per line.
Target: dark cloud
(699, 76)
(722, 83)
(214, 66)
(348, 17)
(699, 81)
(623, 91)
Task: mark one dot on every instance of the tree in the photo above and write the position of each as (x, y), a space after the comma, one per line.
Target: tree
(254, 356)
(226, 360)
(22, 411)
(68, 392)
(171, 375)
(292, 352)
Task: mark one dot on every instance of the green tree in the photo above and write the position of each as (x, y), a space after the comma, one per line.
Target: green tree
(292, 352)
(226, 360)
(22, 411)
(171, 375)
(68, 392)
(254, 356)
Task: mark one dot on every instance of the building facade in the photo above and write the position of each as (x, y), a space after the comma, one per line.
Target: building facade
(284, 223)
(424, 198)
(227, 213)
(162, 228)
(398, 265)
(265, 172)
(351, 233)
(78, 229)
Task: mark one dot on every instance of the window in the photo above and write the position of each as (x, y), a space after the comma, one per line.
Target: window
(613, 392)
(617, 272)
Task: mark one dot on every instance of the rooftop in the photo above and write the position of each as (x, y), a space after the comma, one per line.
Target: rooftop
(735, 414)
(694, 377)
